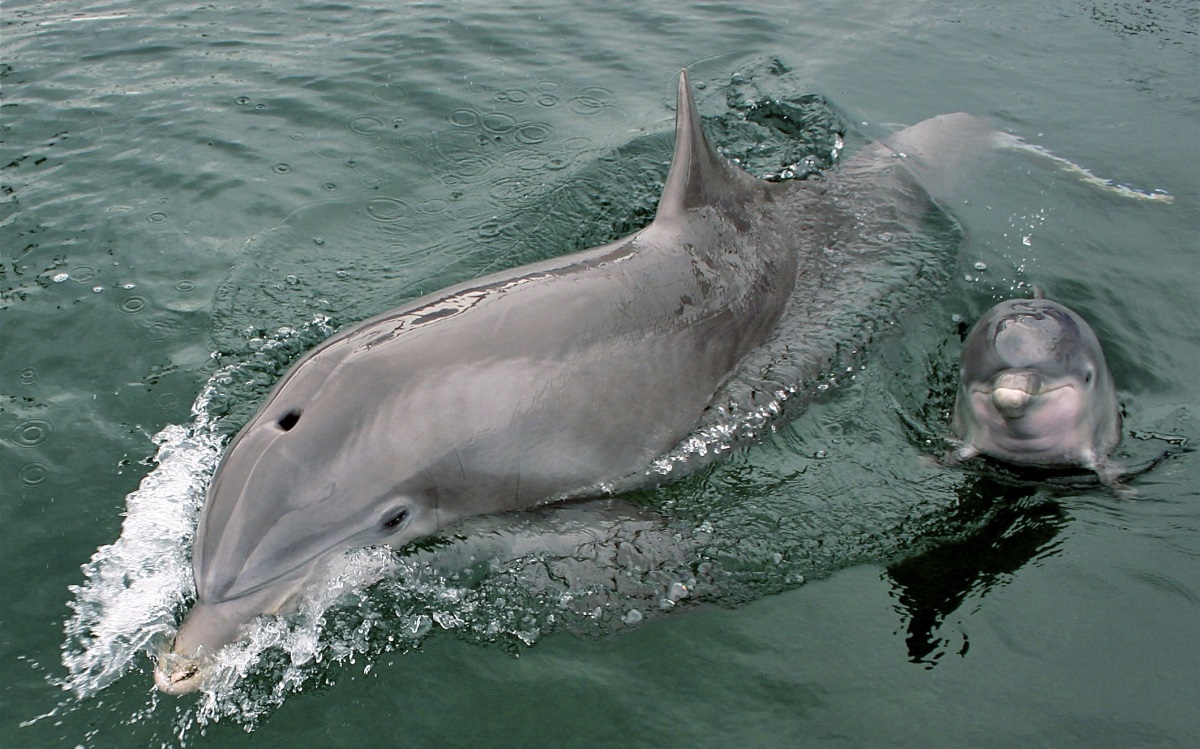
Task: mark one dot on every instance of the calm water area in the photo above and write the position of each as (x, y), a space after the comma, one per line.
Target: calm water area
(193, 194)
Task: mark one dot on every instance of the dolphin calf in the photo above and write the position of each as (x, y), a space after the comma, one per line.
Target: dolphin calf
(546, 381)
(1034, 389)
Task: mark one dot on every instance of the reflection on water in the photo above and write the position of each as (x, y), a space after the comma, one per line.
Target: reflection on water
(998, 528)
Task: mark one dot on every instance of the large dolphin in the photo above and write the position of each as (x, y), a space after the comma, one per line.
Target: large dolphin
(539, 383)
(1034, 389)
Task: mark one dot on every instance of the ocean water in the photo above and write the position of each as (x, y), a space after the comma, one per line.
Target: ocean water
(193, 195)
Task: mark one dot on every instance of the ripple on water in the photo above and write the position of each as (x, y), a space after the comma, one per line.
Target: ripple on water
(84, 273)
(27, 376)
(532, 133)
(498, 123)
(366, 125)
(32, 474)
(516, 96)
(161, 329)
(32, 433)
(386, 210)
(133, 305)
(591, 100)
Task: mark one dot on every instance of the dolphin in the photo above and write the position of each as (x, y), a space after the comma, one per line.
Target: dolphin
(541, 383)
(1034, 389)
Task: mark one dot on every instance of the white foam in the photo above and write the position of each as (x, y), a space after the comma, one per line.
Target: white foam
(135, 586)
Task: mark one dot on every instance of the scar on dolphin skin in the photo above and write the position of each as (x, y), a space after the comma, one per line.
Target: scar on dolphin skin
(581, 370)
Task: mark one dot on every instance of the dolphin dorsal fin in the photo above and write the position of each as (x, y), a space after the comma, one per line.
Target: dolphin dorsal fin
(699, 175)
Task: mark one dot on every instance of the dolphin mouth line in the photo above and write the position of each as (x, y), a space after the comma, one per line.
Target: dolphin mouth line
(298, 573)
(989, 389)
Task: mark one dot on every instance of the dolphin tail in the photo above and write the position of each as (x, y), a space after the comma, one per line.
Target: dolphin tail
(699, 175)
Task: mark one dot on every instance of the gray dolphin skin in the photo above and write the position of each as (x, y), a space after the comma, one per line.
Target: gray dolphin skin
(535, 384)
(1035, 391)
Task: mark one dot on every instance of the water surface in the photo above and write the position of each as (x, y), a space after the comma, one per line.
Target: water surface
(193, 195)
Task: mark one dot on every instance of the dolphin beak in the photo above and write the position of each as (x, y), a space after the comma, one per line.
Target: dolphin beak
(1012, 392)
(1010, 402)
(176, 673)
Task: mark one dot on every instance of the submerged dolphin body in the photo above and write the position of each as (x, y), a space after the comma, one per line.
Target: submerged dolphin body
(1035, 390)
(542, 382)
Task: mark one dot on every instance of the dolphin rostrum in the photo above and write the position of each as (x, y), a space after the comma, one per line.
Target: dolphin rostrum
(1034, 389)
(539, 383)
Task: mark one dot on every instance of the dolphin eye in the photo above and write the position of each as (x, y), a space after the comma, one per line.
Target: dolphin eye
(1087, 378)
(396, 520)
(289, 420)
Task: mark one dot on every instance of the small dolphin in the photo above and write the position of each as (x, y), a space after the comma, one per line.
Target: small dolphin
(1035, 391)
(546, 381)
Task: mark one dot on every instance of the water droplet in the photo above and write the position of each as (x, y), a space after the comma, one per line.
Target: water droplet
(820, 454)
(242, 101)
(60, 277)
(281, 168)
(980, 265)
(292, 280)
(1027, 241)
(330, 186)
(32, 433)
(319, 241)
(32, 474)
(97, 289)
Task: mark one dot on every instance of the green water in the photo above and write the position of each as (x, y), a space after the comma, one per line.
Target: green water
(198, 189)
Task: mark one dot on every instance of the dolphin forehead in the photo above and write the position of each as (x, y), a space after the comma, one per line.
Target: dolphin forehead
(1034, 334)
